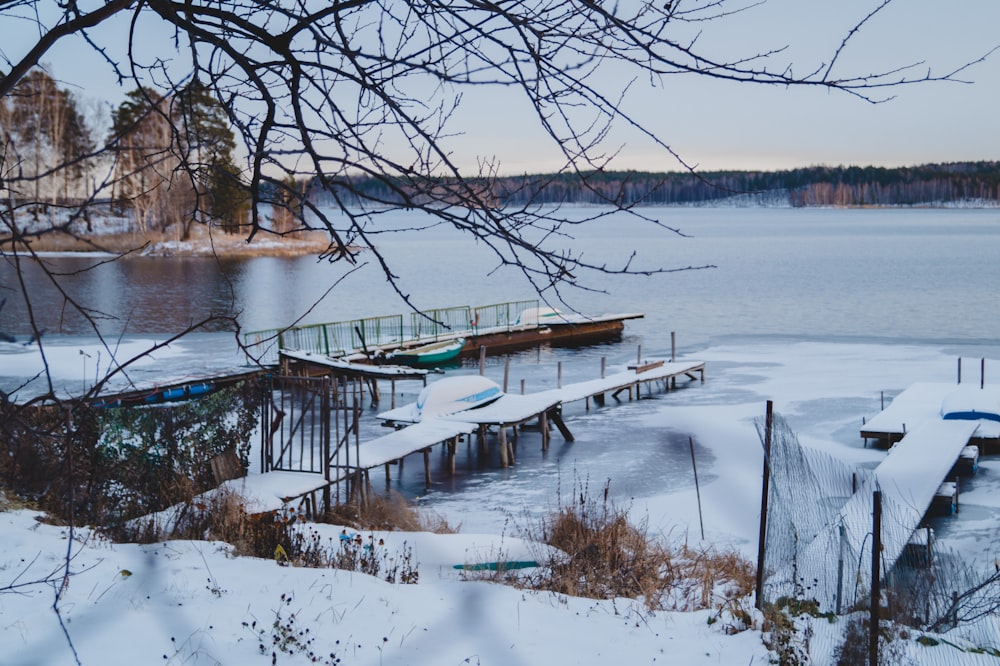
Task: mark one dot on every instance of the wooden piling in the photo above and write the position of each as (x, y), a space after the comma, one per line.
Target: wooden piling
(502, 437)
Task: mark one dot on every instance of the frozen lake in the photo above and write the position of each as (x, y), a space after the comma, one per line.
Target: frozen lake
(819, 310)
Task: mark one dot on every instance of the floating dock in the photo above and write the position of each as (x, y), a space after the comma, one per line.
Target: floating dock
(500, 328)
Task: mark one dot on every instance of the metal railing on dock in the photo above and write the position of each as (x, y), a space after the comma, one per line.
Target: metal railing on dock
(344, 337)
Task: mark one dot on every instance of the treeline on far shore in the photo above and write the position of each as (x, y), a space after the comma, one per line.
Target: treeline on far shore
(973, 183)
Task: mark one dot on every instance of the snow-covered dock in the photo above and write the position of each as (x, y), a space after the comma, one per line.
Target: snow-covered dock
(924, 402)
(368, 373)
(417, 431)
(512, 411)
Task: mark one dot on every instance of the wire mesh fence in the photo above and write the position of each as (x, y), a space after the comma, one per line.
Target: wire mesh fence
(934, 607)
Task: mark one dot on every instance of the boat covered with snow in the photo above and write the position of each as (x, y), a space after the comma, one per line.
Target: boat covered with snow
(446, 396)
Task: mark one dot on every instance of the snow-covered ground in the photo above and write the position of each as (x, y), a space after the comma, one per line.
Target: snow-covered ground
(193, 603)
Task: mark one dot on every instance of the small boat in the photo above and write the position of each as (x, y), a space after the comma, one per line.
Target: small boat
(456, 394)
(435, 353)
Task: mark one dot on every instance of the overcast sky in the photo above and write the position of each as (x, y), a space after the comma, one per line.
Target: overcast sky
(719, 125)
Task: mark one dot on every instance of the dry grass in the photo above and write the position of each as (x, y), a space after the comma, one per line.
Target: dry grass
(388, 513)
(607, 557)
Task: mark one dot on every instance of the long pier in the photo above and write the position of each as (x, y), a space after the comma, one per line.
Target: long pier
(507, 414)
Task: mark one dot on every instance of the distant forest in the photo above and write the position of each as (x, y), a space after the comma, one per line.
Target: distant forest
(959, 183)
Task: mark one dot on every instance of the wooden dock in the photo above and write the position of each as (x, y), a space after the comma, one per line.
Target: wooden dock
(353, 462)
(312, 364)
(921, 403)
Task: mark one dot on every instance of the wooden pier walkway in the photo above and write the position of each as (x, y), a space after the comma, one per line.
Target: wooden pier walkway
(412, 436)
(310, 363)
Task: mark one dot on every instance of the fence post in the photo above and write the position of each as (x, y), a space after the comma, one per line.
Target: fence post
(876, 583)
(768, 423)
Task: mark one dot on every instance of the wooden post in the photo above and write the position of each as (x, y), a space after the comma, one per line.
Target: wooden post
(388, 476)
(427, 467)
(697, 488)
(982, 372)
(768, 423)
(638, 359)
(840, 567)
(604, 367)
(673, 345)
(555, 416)
(543, 426)
(502, 436)
(506, 373)
(482, 359)
(559, 374)
(392, 402)
(452, 446)
(876, 583)
(522, 387)
(959, 369)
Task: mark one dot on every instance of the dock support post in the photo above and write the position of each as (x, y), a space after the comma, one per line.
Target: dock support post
(388, 476)
(427, 467)
(482, 438)
(604, 366)
(638, 359)
(959, 369)
(482, 360)
(522, 387)
(506, 373)
(673, 346)
(502, 437)
(982, 372)
(555, 415)
(543, 426)
(452, 446)
(559, 374)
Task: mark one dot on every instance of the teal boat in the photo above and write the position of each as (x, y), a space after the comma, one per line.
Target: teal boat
(435, 353)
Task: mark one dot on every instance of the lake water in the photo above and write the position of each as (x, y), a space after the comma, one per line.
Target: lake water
(906, 287)
(914, 275)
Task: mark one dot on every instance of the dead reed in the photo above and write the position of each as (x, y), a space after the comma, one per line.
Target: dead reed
(602, 555)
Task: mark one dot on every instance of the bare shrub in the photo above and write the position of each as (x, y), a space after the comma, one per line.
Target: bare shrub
(603, 556)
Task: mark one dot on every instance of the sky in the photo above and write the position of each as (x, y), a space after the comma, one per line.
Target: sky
(719, 125)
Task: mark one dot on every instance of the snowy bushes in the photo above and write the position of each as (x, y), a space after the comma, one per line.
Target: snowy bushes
(606, 557)
(105, 466)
